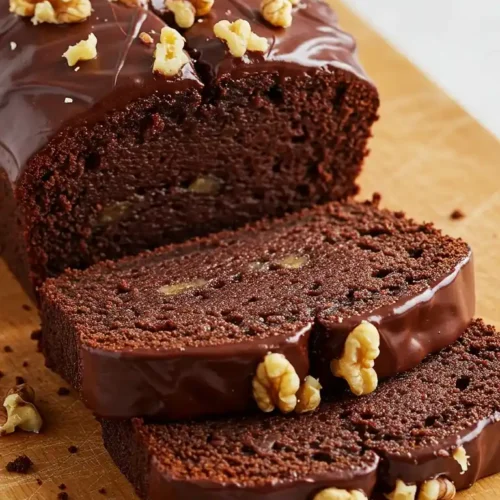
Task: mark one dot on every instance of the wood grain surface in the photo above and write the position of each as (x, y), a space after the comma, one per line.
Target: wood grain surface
(428, 157)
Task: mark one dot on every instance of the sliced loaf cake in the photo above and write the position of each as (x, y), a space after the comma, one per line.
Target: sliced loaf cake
(344, 292)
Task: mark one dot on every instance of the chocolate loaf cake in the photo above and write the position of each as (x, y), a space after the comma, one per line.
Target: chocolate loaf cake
(434, 429)
(344, 289)
(107, 158)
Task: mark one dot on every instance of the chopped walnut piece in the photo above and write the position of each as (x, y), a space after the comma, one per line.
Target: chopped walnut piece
(178, 288)
(437, 489)
(84, 50)
(184, 12)
(276, 384)
(53, 11)
(293, 261)
(205, 185)
(146, 38)
(402, 491)
(21, 411)
(308, 396)
(361, 349)
(203, 7)
(460, 455)
(239, 37)
(277, 12)
(170, 57)
(337, 494)
(24, 8)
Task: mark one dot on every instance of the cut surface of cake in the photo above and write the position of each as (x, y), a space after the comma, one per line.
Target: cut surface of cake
(430, 431)
(185, 327)
(107, 158)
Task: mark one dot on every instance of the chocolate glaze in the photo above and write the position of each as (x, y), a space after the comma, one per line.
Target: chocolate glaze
(162, 486)
(480, 443)
(185, 384)
(35, 79)
(314, 41)
(409, 330)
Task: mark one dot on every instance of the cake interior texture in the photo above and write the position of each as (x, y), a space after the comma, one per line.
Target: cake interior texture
(269, 279)
(414, 424)
(137, 160)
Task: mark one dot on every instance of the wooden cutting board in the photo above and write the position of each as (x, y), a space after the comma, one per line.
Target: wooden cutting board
(429, 157)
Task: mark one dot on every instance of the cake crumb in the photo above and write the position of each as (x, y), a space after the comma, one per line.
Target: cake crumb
(72, 449)
(21, 465)
(62, 486)
(20, 380)
(102, 491)
(36, 335)
(26, 307)
(39, 481)
(25, 364)
(457, 214)
(7, 348)
(62, 496)
(63, 391)
(2, 374)
(13, 45)
(68, 100)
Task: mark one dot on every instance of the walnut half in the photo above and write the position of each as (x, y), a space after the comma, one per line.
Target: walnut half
(338, 494)
(361, 349)
(21, 411)
(276, 384)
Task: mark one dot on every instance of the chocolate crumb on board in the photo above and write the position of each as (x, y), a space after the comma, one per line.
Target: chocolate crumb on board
(39, 481)
(21, 465)
(62, 486)
(7, 348)
(102, 491)
(62, 496)
(457, 214)
(20, 380)
(26, 307)
(2, 374)
(63, 391)
(36, 334)
(25, 364)
(72, 449)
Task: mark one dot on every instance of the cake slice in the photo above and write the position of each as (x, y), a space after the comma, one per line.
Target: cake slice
(434, 430)
(107, 158)
(343, 292)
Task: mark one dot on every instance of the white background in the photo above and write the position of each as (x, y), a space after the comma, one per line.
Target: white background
(455, 42)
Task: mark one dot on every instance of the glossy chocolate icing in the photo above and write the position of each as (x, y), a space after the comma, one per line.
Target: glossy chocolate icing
(35, 79)
(313, 41)
(184, 384)
(480, 443)
(162, 486)
(410, 329)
